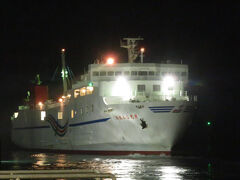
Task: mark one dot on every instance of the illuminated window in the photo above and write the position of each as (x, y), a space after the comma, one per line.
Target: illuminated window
(76, 93)
(60, 115)
(110, 73)
(134, 73)
(72, 113)
(141, 88)
(15, 114)
(102, 73)
(118, 73)
(156, 87)
(83, 91)
(95, 73)
(43, 115)
(90, 90)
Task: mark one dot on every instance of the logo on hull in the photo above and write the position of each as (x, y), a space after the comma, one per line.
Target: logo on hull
(58, 129)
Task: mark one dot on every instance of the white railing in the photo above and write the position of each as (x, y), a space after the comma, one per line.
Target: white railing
(50, 174)
(142, 98)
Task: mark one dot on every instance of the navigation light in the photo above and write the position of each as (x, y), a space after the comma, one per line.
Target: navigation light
(90, 84)
(209, 123)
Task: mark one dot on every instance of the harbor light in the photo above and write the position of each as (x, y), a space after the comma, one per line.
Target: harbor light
(110, 61)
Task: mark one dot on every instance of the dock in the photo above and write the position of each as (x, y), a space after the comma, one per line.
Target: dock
(55, 174)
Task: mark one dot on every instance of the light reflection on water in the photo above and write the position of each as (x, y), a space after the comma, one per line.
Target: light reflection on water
(123, 167)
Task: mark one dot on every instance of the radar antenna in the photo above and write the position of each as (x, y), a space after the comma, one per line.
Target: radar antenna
(130, 44)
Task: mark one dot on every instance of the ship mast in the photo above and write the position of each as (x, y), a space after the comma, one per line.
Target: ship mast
(131, 44)
(64, 72)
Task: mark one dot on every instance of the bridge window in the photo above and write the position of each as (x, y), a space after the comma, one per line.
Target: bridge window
(110, 73)
(151, 73)
(118, 73)
(156, 87)
(95, 73)
(126, 73)
(183, 73)
(102, 73)
(142, 73)
(134, 73)
(141, 88)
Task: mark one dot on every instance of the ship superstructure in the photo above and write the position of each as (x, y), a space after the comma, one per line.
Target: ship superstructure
(117, 108)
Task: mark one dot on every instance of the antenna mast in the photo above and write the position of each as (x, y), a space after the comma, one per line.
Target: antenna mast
(131, 44)
(64, 72)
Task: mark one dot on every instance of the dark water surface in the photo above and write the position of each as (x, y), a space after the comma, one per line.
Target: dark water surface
(127, 167)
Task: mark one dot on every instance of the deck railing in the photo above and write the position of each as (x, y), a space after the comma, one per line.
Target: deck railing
(55, 174)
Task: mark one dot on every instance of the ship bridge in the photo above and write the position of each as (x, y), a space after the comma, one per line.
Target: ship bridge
(140, 81)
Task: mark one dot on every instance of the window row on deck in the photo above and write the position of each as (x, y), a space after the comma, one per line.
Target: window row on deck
(136, 73)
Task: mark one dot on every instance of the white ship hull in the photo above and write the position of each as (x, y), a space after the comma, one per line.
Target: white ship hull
(113, 108)
(114, 129)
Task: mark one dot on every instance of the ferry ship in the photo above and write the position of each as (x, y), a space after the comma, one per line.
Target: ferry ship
(114, 108)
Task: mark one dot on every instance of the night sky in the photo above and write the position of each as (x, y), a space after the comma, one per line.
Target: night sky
(204, 35)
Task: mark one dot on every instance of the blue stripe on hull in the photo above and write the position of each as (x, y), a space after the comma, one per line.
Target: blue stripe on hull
(161, 109)
(89, 122)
